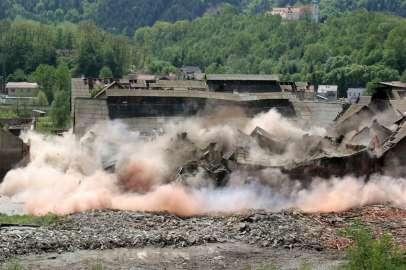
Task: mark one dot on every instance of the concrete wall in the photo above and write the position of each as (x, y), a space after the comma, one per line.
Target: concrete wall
(22, 92)
(394, 160)
(12, 151)
(244, 86)
(79, 89)
(321, 114)
(88, 112)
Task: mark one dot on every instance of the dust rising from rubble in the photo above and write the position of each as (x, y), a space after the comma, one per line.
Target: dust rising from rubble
(67, 175)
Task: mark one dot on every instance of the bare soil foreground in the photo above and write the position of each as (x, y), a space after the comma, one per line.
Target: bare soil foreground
(160, 240)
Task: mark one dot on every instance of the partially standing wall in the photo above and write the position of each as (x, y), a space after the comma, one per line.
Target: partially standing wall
(88, 112)
(12, 151)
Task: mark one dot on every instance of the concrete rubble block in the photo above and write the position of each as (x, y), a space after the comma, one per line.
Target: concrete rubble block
(265, 141)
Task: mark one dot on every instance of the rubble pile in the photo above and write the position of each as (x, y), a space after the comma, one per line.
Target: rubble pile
(288, 229)
(362, 142)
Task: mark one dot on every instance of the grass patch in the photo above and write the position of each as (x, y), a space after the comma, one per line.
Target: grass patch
(368, 253)
(45, 125)
(28, 220)
(14, 265)
(97, 266)
(7, 112)
(303, 266)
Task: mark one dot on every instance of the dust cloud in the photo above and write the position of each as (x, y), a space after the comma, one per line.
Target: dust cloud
(68, 175)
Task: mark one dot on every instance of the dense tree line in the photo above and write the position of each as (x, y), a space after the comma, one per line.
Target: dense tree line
(86, 49)
(50, 55)
(349, 50)
(124, 16)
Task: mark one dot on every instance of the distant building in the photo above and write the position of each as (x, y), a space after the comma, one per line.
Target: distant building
(191, 73)
(291, 13)
(327, 92)
(354, 94)
(22, 89)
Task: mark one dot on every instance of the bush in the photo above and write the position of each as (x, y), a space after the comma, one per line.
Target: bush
(60, 110)
(42, 99)
(106, 72)
(368, 253)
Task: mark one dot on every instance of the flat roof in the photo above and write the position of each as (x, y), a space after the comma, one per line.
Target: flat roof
(21, 85)
(195, 94)
(241, 77)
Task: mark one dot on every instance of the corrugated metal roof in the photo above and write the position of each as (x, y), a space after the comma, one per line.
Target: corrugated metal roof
(24, 85)
(194, 69)
(241, 77)
(396, 84)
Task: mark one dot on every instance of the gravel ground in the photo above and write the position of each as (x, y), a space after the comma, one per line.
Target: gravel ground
(101, 230)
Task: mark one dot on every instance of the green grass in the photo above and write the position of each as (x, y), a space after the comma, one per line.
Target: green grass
(28, 220)
(45, 125)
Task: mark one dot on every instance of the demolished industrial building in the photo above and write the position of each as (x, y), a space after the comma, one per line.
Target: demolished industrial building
(364, 139)
(132, 146)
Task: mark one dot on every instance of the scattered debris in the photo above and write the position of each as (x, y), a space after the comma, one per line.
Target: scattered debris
(119, 229)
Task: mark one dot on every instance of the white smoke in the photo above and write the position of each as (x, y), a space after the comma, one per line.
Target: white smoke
(67, 175)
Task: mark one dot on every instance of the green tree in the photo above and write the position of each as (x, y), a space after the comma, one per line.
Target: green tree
(105, 72)
(90, 59)
(42, 99)
(45, 76)
(17, 76)
(60, 109)
(62, 78)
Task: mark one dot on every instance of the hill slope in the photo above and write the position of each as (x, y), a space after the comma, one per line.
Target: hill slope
(125, 16)
(350, 50)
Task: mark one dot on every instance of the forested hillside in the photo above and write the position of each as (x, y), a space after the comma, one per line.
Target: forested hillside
(125, 16)
(349, 50)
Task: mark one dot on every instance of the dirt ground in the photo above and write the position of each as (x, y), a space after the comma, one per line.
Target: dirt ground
(210, 256)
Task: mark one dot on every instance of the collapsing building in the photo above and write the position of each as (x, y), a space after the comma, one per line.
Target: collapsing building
(145, 104)
(365, 138)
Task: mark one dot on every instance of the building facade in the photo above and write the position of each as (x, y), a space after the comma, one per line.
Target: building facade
(22, 89)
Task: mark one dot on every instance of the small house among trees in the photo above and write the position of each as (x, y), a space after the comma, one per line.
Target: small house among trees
(291, 13)
(22, 89)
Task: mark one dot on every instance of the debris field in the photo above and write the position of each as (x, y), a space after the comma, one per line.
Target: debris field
(289, 229)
